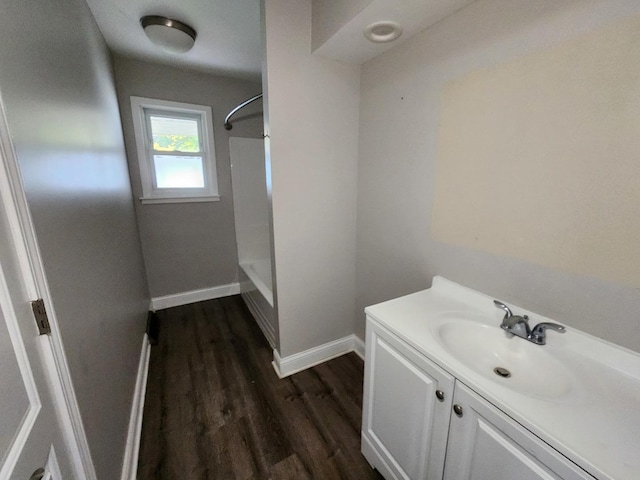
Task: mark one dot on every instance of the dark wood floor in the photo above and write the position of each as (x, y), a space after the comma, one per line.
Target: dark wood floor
(215, 408)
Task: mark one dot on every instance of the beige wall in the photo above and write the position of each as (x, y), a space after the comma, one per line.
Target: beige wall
(537, 158)
(405, 99)
(312, 123)
(57, 85)
(188, 246)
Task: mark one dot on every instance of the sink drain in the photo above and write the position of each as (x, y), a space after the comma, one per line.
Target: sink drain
(502, 372)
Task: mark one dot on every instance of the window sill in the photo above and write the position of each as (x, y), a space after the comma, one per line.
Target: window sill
(152, 200)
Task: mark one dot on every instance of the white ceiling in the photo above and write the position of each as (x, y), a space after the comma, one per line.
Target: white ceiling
(229, 39)
(349, 44)
(228, 42)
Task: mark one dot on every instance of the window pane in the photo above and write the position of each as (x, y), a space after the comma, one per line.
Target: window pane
(178, 172)
(174, 134)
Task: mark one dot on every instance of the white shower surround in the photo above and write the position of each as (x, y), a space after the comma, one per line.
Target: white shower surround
(259, 273)
(251, 211)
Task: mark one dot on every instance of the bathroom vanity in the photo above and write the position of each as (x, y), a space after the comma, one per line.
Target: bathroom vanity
(449, 395)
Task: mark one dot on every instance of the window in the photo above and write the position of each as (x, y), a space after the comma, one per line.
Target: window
(175, 151)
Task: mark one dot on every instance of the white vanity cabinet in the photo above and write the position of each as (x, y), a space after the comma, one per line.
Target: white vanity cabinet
(485, 444)
(420, 423)
(407, 404)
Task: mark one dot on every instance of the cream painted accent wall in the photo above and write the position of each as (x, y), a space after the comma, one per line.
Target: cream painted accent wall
(403, 96)
(312, 153)
(537, 158)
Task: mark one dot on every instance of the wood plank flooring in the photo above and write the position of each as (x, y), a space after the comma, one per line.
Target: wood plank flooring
(215, 409)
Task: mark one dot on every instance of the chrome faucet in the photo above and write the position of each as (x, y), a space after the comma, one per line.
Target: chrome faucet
(519, 326)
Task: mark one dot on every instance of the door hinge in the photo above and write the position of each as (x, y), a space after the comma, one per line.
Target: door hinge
(40, 314)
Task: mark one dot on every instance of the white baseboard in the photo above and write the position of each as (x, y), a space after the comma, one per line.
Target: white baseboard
(184, 298)
(358, 347)
(132, 447)
(285, 366)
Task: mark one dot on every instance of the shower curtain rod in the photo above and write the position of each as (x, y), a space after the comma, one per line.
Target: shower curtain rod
(227, 123)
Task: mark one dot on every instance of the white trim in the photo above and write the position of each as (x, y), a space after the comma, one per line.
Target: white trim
(145, 152)
(260, 316)
(152, 200)
(285, 366)
(132, 447)
(70, 430)
(26, 242)
(52, 467)
(184, 298)
(34, 404)
(359, 347)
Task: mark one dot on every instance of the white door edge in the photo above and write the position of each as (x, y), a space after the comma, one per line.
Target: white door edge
(33, 273)
(35, 405)
(52, 468)
(132, 449)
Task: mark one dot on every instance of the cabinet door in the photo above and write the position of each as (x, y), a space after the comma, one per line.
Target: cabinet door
(405, 425)
(486, 444)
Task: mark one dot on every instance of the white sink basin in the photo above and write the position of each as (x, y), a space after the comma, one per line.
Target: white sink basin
(483, 348)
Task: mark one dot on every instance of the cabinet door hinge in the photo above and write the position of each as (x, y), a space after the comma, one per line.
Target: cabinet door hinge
(40, 314)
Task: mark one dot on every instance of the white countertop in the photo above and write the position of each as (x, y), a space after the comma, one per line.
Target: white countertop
(596, 423)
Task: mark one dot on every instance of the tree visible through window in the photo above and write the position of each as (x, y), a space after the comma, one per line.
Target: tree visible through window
(174, 149)
(177, 136)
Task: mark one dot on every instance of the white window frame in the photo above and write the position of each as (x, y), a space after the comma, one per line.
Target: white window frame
(144, 145)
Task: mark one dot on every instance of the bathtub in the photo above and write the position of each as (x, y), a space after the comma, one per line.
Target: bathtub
(257, 293)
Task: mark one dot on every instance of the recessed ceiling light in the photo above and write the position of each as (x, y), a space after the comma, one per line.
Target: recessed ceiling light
(382, 32)
(171, 35)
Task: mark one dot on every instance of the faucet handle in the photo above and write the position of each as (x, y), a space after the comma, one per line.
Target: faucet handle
(539, 335)
(506, 309)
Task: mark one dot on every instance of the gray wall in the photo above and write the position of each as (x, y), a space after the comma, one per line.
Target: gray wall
(57, 85)
(188, 246)
(398, 148)
(329, 16)
(313, 152)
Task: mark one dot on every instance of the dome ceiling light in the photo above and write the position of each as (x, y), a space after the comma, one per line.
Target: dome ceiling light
(171, 35)
(383, 32)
